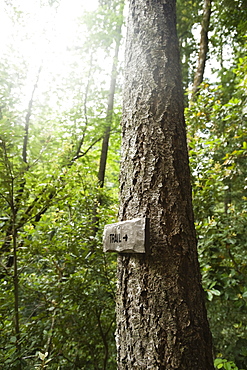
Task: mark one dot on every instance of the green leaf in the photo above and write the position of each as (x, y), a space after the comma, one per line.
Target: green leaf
(218, 361)
(12, 339)
(42, 356)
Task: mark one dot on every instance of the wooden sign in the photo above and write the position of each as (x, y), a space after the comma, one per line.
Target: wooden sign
(126, 236)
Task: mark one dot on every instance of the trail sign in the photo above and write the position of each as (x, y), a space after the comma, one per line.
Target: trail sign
(126, 236)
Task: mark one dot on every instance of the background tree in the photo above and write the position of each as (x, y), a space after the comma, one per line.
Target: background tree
(110, 102)
(203, 49)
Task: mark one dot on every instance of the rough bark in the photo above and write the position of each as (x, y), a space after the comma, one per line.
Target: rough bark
(202, 56)
(161, 316)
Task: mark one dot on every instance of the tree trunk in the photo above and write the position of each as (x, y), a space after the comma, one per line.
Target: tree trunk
(110, 102)
(161, 316)
(202, 56)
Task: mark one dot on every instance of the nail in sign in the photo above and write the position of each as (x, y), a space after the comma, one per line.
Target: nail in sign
(126, 236)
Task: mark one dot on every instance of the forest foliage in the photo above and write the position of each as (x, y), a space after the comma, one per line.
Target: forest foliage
(57, 287)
